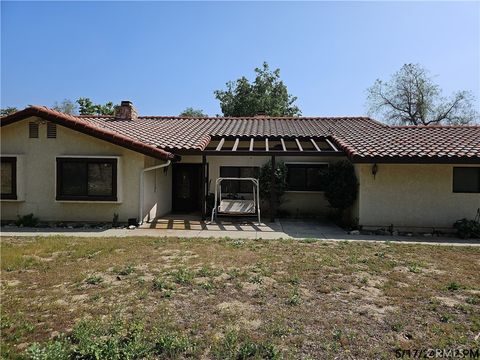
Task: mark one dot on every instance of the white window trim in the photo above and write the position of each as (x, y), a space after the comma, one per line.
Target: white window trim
(119, 179)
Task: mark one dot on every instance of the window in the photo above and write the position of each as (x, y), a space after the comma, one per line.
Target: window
(8, 178)
(51, 130)
(306, 177)
(33, 130)
(237, 186)
(466, 179)
(87, 179)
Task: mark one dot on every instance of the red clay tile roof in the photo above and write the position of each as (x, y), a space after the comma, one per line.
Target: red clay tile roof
(79, 124)
(361, 138)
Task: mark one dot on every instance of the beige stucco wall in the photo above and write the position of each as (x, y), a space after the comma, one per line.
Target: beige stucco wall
(157, 191)
(295, 203)
(412, 195)
(37, 175)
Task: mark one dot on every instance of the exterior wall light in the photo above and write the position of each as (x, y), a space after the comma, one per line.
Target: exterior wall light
(374, 170)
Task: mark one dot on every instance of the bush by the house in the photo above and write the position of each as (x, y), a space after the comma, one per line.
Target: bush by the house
(468, 228)
(27, 220)
(280, 183)
(341, 186)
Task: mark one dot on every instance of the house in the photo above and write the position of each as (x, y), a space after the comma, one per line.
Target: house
(87, 168)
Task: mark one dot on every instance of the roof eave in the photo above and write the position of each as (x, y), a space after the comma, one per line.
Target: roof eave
(71, 122)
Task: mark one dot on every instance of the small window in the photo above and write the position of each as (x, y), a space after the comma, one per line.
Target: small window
(466, 179)
(237, 186)
(87, 179)
(8, 177)
(33, 130)
(51, 130)
(306, 177)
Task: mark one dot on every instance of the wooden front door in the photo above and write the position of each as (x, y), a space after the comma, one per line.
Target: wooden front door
(186, 187)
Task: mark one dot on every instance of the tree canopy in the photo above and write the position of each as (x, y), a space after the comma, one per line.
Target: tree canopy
(191, 112)
(411, 97)
(87, 107)
(8, 110)
(66, 106)
(266, 94)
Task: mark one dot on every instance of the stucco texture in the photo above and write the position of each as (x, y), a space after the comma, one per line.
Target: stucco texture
(412, 195)
(38, 180)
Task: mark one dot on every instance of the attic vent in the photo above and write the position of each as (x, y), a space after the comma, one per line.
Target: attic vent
(33, 130)
(51, 130)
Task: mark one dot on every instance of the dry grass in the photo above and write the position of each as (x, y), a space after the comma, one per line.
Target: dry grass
(307, 299)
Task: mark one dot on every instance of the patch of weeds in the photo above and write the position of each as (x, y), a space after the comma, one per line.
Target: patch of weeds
(454, 286)
(397, 327)
(294, 298)
(94, 280)
(237, 243)
(279, 329)
(472, 300)
(173, 344)
(207, 286)
(182, 276)
(142, 295)
(129, 269)
(233, 346)
(95, 297)
(208, 271)
(164, 286)
(337, 335)
(255, 279)
(364, 280)
(414, 267)
(26, 220)
(445, 318)
(95, 340)
(294, 280)
(233, 273)
(329, 261)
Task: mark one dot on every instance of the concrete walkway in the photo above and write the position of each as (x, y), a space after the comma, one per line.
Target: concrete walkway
(281, 229)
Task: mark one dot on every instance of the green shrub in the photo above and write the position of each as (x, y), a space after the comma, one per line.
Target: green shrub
(280, 183)
(27, 220)
(172, 344)
(129, 269)
(94, 280)
(341, 185)
(182, 276)
(467, 228)
(53, 350)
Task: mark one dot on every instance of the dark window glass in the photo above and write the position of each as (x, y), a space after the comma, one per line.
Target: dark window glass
(466, 179)
(236, 186)
(306, 177)
(8, 177)
(86, 179)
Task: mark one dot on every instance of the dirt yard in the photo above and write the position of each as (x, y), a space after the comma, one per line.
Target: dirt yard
(224, 298)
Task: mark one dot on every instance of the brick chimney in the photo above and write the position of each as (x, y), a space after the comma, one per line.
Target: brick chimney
(126, 111)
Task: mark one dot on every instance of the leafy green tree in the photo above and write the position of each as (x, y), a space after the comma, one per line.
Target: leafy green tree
(411, 97)
(87, 107)
(266, 94)
(265, 182)
(191, 112)
(341, 185)
(67, 106)
(8, 110)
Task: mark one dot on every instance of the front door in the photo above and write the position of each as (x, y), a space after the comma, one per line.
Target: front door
(186, 187)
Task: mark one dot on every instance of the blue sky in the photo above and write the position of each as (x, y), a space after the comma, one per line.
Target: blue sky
(167, 56)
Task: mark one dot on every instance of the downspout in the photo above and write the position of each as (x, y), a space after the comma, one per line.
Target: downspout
(142, 195)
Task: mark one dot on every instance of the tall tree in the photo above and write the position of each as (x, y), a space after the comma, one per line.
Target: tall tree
(8, 110)
(191, 112)
(67, 106)
(411, 97)
(87, 107)
(266, 94)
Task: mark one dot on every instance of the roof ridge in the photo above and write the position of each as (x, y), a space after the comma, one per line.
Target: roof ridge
(259, 118)
(421, 126)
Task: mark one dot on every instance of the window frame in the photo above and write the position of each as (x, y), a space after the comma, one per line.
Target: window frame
(238, 182)
(305, 165)
(453, 180)
(87, 160)
(13, 195)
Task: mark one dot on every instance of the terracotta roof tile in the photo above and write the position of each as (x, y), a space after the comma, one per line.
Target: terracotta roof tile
(361, 138)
